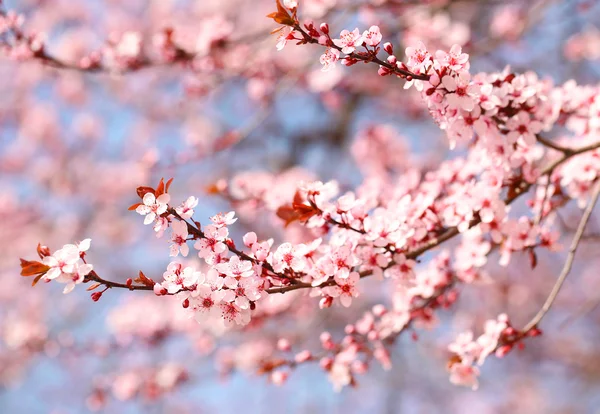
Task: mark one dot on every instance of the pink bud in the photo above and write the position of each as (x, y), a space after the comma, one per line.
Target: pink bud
(325, 302)
(503, 350)
(303, 356)
(249, 239)
(359, 367)
(283, 344)
(324, 28)
(349, 329)
(159, 290)
(379, 310)
(326, 363)
(392, 59)
(279, 377)
(383, 71)
(387, 46)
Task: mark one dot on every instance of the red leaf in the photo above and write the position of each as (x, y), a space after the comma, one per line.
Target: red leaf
(282, 16)
(532, 258)
(94, 286)
(31, 268)
(168, 185)
(160, 189)
(134, 206)
(37, 279)
(145, 280)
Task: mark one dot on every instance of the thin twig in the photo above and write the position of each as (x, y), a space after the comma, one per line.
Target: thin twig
(568, 263)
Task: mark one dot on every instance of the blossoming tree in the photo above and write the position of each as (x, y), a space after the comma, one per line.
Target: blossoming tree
(413, 243)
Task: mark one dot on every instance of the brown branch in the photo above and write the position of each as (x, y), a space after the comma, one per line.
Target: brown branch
(367, 57)
(568, 263)
(453, 231)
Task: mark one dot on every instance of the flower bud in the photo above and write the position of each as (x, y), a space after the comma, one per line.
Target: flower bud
(96, 296)
(325, 302)
(283, 344)
(303, 356)
(324, 28)
(387, 46)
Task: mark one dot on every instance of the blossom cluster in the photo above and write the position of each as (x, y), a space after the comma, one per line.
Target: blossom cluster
(66, 265)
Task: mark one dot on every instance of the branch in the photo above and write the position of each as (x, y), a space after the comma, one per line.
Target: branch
(568, 263)
(453, 231)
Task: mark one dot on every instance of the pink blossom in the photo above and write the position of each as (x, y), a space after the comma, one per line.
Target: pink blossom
(329, 58)
(418, 58)
(524, 128)
(465, 375)
(462, 93)
(372, 37)
(186, 209)
(222, 220)
(179, 239)
(153, 207)
(349, 41)
(345, 288)
(288, 256)
(455, 59)
(211, 245)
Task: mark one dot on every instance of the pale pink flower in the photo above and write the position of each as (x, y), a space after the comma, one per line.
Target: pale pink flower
(236, 268)
(222, 220)
(288, 256)
(455, 59)
(62, 262)
(186, 209)
(179, 239)
(465, 375)
(372, 37)
(329, 58)
(212, 244)
(462, 94)
(524, 128)
(349, 41)
(153, 207)
(345, 288)
(418, 58)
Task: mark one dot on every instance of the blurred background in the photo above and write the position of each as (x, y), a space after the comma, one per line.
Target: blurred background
(238, 124)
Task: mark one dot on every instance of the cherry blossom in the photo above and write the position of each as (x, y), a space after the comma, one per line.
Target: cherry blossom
(329, 58)
(153, 207)
(186, 209)
(349, 41)
(179, 239)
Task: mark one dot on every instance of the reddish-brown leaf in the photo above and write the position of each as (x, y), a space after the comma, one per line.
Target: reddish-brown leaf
(532, 258)
(43, 251)
(134, 206)
(168, 185)
(281, 16)
(145, 280)
(31, 268)
(160, 189)
(37, 279)
(94, 286)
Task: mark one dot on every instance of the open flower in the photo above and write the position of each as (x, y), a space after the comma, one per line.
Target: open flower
(153, 207)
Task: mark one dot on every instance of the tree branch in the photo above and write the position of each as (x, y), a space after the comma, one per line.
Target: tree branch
(568, 263)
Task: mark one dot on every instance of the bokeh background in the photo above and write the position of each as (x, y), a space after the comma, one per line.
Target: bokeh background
(243, 116)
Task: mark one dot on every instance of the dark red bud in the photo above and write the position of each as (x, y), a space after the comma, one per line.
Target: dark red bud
(96, 296)
(388, 48)
(325, 28)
